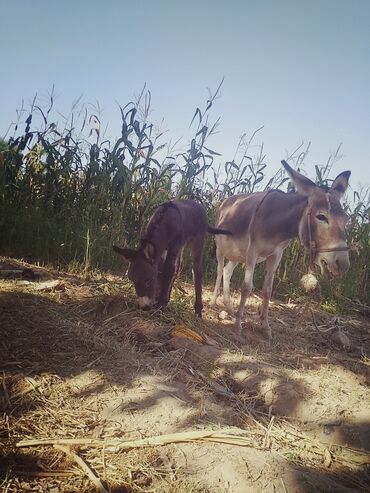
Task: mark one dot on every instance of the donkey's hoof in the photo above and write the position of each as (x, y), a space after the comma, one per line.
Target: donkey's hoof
(160, 306)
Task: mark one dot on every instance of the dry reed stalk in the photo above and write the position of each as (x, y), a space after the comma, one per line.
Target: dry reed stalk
(283, 485)
(43, 474)
(113, 445)
(6, 394)
(266, 441)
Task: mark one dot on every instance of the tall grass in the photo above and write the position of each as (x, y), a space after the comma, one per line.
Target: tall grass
(67, 193)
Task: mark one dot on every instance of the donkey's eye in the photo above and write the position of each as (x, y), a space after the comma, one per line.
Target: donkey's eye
(323, 218)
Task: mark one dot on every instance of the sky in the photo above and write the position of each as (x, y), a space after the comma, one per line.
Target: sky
(300, 68)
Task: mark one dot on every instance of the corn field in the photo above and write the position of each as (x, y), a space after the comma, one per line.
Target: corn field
(67, 194)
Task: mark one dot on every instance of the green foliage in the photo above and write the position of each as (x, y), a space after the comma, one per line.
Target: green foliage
(67, 194)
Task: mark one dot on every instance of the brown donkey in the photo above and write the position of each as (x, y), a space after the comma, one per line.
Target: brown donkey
(153, 267)
(262, 225)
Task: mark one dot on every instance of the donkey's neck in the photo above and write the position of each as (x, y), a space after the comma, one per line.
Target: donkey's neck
(295, 207)
(158, 237)
(160, 231)
(285, 211)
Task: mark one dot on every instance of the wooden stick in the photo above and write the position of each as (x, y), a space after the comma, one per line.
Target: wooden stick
(97, 482)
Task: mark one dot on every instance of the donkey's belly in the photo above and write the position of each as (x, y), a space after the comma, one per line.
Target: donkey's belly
(265, 250)
(232, 249)
(237, 250)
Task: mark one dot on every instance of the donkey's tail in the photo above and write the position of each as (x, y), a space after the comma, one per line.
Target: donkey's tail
(217, 231)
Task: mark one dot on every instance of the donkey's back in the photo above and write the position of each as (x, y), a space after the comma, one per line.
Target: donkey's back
(193, 216)
(235, 213)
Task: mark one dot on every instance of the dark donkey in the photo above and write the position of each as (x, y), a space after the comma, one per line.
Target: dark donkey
(153, 267)
(262, 225)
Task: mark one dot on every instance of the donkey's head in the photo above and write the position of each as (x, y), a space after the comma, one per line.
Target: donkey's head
(143, 271)
(322, 226)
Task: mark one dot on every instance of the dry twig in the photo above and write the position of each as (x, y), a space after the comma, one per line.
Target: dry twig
(95, 479)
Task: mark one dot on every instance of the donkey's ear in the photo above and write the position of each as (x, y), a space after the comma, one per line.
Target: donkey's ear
(149, 250)
(303, 185)
(340, 183)
(126, 253)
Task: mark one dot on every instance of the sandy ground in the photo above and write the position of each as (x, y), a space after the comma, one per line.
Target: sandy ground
(79, 360)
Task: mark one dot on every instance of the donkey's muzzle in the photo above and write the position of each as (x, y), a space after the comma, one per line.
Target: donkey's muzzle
(145, 302)
(333, 264)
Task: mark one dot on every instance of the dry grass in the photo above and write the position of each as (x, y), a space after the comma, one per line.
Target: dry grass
(84, 368)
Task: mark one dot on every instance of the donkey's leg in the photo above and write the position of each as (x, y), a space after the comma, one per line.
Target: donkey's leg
(169, 273)
(245, 291)
(197, 253)
(227, 273)
(272, 263)
(179, 263)
(220, 269)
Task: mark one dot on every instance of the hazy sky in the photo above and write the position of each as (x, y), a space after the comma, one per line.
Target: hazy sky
(301, 68)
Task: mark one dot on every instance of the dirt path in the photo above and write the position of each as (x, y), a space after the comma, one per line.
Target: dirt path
(78, 360)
